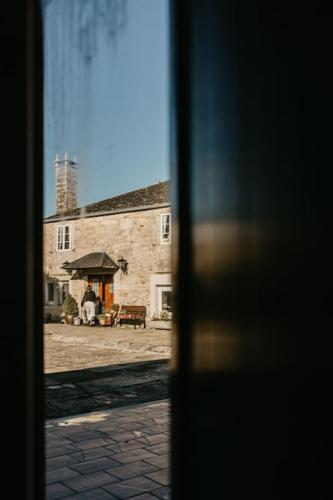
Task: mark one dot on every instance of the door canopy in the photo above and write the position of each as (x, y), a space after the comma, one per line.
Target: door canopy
(93, 261)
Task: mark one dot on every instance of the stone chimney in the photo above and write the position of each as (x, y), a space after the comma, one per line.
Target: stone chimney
(66, 183)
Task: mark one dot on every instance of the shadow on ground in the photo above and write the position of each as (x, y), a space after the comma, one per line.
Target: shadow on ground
(105, 387)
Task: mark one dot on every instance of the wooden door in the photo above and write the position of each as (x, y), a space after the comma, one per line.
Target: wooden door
(107, 292)
(103, 287)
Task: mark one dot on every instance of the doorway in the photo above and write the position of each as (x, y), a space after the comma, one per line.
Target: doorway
(102, 285)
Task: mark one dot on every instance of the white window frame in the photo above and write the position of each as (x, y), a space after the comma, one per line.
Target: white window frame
(63, 227)
(160, 290)
(163, 224)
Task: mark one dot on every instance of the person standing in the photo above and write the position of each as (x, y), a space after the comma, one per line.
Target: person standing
(88, 304)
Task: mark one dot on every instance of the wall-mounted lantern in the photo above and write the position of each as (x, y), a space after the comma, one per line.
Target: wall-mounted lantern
(123, 264)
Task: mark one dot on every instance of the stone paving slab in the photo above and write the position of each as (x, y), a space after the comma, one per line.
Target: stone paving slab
(68, 347)
(100, 463)
(91, 389)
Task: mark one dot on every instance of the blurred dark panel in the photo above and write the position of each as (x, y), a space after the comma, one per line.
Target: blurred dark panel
(22, 412)
(252, 361)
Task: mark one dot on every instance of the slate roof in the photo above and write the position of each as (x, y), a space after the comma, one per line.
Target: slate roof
(92, 261)
(155, 194)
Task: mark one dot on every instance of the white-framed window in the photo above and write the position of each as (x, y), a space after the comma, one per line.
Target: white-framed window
(50, 292)
(63, 238)
(165, 228)
(164, 298)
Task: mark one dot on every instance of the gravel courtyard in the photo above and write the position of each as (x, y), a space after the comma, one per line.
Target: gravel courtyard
(68, 347)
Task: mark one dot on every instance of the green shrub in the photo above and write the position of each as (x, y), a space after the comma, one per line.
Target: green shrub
(70, 306)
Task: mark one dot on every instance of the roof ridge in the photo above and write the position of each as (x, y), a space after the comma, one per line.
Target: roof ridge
(145, 196)
(124, 194)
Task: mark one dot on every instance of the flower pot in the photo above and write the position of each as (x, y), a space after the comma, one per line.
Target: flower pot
(69, 318)
(108, 318)
(77, 321)
(160, 324)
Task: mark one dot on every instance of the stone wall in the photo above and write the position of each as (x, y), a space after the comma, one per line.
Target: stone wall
(66, 185)
(135, 236)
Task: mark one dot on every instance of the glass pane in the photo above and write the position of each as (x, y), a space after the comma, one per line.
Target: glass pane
(106, 164)
(64, 291)
(166, 300)
(50, 292)
(95, 286)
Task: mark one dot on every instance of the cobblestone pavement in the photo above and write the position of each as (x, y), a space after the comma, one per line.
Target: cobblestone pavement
(113, 454)
(68, 347)
(105, 387)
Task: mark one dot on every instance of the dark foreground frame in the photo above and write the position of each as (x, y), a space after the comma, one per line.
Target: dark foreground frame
(251, 375)
(21, 367)
(251, 367)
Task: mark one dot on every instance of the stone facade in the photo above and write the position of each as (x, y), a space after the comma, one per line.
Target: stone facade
(133, 235)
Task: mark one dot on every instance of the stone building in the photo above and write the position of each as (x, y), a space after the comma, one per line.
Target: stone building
(121, 246)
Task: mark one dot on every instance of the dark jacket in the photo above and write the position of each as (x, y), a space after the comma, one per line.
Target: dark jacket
(88, 296)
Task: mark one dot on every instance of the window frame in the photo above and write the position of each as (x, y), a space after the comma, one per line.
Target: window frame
(63, 226)
(160, 290)
(165, 241)
(48, 301)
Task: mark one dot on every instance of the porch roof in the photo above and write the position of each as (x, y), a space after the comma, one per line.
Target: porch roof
(95, 260)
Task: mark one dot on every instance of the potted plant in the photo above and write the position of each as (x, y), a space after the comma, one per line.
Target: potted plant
(108, 317)
(102, 319)
(161, 321)
(70, 309)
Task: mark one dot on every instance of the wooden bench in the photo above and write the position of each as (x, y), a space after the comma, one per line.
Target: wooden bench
(132, 315)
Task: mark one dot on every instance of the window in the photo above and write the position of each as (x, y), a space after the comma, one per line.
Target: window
(165, 228)
(164, 298)
(50, 293)
(94, 286)
(63, 238)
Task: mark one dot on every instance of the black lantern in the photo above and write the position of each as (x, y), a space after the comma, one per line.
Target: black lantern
(122, 263)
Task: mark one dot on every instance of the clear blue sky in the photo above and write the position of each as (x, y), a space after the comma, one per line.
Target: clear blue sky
(106, 96)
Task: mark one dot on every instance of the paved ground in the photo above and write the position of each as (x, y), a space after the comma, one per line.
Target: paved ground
(91, 389)
(97, 368)
(68, 347)
(114, 454)
(101, 448)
